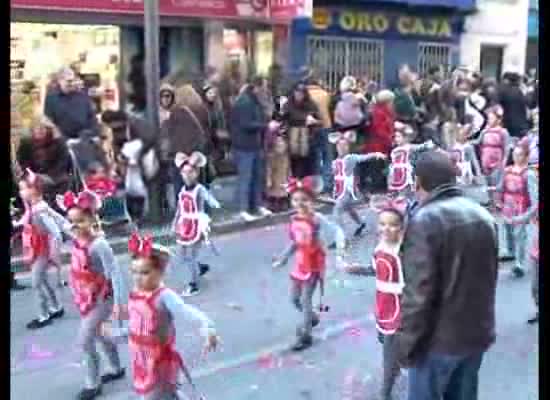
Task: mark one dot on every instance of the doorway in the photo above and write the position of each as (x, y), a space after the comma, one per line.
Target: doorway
(491, 61)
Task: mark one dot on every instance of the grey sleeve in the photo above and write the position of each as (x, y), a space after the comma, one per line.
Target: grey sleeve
(104, 260)
(209, 197)
(533, 190)
(353, 159)
(47, 222)
(288, 252)
(332, 231)
(472, 157)
(175, 306)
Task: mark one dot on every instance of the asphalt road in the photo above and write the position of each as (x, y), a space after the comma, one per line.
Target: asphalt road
(249, 302)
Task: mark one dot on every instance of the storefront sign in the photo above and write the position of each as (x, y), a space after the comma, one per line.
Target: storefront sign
(288, 9)
(384, 23)
(283, 10)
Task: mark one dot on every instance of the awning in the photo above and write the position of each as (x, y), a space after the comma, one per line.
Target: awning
(462, 5)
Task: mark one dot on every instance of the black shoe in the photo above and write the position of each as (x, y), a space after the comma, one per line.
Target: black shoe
(332, 246)
(191, 290)
(113, 377)
(315, 321)
(534, 319)
(57, 314)
(17, 287)
(303, 343)
(506, 258)
(37, 324)
(360, 230)
(89, 394)
(518, 273)
(203, 269)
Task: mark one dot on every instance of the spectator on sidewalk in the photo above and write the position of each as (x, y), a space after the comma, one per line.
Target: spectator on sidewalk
(248, 123)
(380, 138)
(450, 265)
(514, 104)
(70, 109)
(46, 153)
(304, 121)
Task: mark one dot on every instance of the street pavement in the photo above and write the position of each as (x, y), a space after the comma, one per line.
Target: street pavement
(249, 302)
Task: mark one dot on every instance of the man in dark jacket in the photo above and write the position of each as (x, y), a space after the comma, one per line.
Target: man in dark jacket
(248, 122)
(450, 266)
(70, 109)
(514, 105)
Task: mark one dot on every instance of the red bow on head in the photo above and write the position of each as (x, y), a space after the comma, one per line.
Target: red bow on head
(306, 184)
(140, 246)
(84, 200)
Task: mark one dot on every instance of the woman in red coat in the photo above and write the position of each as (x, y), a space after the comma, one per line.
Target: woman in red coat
(380, 137)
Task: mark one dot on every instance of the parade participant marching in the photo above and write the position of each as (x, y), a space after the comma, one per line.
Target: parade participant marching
(400, 177)
(42, 239)
(98, 288)
(191, 223)
(308, 233)
(156, 364)
(464, 157)
(345, 181)
(389, 286)
(493, 147)
(518, 202)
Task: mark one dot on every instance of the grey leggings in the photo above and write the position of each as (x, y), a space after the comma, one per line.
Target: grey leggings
(46, 300)
(187, 256)
(302, 298)
(390, 365)
(89, 335)
(535, 283)
(516, 242)
(344, 204)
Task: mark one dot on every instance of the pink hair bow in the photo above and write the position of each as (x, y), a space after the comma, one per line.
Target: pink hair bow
(140, 246)
(85, 200)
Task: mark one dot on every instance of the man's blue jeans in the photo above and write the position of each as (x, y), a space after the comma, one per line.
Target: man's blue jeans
(250, 170)
(445, 377)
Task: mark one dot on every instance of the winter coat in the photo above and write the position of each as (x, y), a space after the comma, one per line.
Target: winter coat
(321, 98)
(514, 105)
(248, 122)
(72, 113)
(381, 130)
(450, 250)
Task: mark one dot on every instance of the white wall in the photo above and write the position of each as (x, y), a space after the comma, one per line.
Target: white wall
(499, 23)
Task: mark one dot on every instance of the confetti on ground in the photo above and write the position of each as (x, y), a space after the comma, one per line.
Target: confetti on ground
(234, 306)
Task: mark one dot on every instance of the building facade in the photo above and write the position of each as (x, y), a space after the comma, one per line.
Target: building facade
(372, 39)
(495, 37)
(532, 55)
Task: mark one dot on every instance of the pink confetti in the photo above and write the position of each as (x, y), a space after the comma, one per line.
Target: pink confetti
(38, 354)
(267, 361)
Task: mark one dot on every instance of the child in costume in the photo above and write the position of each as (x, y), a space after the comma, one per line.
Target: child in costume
(389, 287)
(191, 223)
(518, 202)
(464, 157)
(98, 288)
(493, 145)
(308, 234)
(345, 181)
(156, 365)
(42, 238)
(400, 177)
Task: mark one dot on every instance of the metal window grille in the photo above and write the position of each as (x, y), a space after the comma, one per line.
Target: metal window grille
(335, 57)
(433, 54)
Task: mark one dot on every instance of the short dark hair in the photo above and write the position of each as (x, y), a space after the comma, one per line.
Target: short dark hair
(433, 169)
(258, 81)
(111, 116)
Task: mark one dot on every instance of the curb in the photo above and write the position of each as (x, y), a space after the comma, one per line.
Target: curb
(120, 243)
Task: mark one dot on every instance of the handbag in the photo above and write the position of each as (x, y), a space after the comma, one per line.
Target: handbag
(298, 141)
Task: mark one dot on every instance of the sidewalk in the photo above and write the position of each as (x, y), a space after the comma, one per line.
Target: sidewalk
(226, 220)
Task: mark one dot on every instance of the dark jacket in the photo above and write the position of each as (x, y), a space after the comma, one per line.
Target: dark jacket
(71, 113)
(450, 266)
(514, 105)
(248, 122)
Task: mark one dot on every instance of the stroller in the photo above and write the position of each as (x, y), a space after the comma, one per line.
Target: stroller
(86, 153)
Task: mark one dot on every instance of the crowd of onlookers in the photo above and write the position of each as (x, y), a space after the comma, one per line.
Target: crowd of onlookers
(264, 137)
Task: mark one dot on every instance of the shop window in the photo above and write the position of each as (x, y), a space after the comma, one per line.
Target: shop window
(432, 55)
(335, 57)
